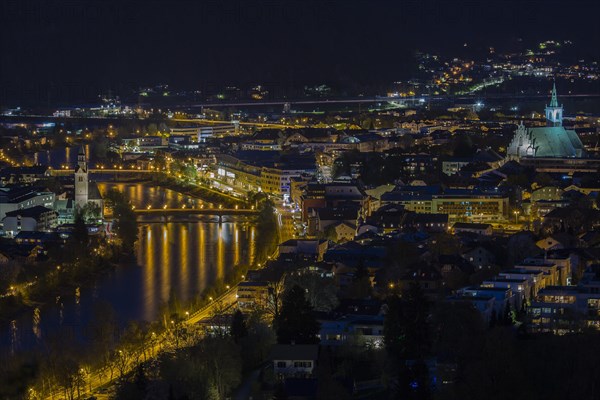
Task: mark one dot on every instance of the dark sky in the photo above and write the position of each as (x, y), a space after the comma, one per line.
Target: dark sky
(70, 50)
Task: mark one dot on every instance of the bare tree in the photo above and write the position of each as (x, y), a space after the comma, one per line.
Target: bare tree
(320, 291)
(275, 296)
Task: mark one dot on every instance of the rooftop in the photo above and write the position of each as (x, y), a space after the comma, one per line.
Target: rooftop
(294, 352)
(33, 212)
(466, 225)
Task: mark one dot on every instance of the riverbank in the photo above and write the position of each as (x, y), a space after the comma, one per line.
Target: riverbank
(62, 265)
(13, 307)
(75, 266)
(199, 192)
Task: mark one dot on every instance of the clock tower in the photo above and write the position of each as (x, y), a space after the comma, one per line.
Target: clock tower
(81, 179)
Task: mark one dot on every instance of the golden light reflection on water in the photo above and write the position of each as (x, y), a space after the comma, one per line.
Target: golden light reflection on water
(184, 281)
(236, 245)
(149, 272)
(220, 258)
(252, 248)
(181, 257)
(201, 259)
(165, 251)
(185, 258)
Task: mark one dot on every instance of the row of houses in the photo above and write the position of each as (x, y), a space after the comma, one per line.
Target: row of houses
(562, 309)
(542, 287)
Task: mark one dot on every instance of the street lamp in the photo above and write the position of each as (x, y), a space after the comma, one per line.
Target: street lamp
(516, 216)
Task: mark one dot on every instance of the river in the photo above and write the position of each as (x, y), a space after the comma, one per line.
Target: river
(172, 257)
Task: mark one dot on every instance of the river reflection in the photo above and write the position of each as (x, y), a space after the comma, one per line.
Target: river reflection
(184, 258)
(58, 157)
(143, 195)
(176, 257)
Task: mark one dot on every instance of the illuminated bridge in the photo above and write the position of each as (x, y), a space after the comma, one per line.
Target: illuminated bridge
(202, 211)
(242, 123)
(111, 171)
(164, 213)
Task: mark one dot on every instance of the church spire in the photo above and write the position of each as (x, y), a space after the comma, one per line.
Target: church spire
(82, 159)
(554, 112)
(554, 100)
(81, 179)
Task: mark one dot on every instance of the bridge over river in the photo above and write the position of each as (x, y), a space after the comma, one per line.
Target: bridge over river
(164, 214)
(107, 171)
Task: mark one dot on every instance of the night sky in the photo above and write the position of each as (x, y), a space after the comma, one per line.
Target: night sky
(54, 51)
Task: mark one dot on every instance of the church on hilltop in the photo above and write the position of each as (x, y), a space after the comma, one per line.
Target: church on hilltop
(551, 141)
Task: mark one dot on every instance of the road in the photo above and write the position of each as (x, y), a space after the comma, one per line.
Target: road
(285, 220)
(95, 381)
(227, 299)
(273, 125)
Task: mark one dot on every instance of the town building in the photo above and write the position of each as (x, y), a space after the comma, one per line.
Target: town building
(332, 195)
(33, 219)
(18, 198)
(470, 205)
(294, 360)
(261, 171)
(32, 174)
(208, 132)
(568, 309)
(252, 295)
(477, 229)
(304, 249)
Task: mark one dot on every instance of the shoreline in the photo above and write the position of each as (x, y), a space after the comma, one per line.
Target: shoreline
(199, 192)
(62, 290)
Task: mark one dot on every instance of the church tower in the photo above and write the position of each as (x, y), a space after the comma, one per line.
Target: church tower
(81, 179)
(554, 112)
